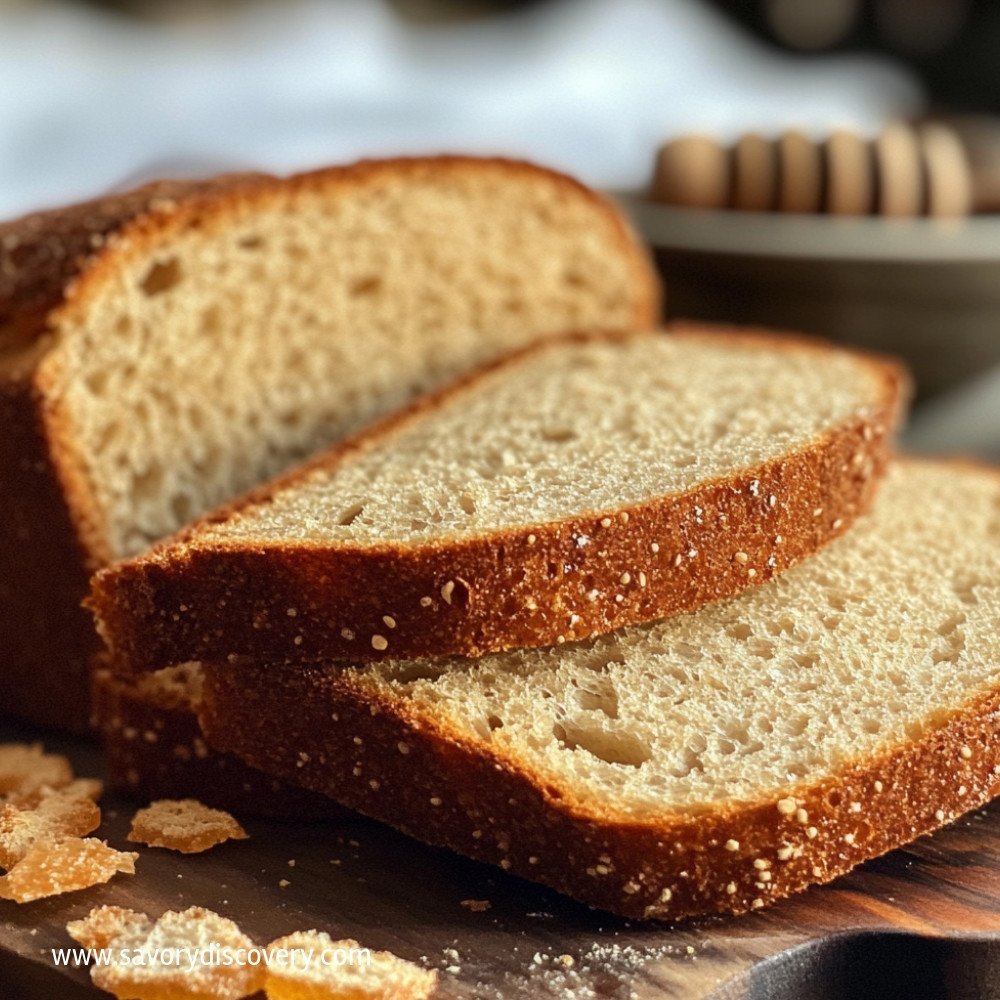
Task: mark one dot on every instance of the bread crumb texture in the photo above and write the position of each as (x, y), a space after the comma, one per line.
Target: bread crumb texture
(25, 767)
(576, 427)
(184, 825)
(372, 976)
(176, 933)
(218, 342)
(51, 869)
(45, 812)
(305, 965)
(50, 816)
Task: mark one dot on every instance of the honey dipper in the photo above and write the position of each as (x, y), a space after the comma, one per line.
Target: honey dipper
(930, 168)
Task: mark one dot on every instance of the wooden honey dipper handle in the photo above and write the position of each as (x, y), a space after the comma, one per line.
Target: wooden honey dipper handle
(907, 170)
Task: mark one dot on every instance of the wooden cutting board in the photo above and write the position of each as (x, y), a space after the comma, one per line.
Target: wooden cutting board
(923, 922)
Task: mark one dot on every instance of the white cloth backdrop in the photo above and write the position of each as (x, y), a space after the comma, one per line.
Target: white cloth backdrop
(91, 101)
(88, 100)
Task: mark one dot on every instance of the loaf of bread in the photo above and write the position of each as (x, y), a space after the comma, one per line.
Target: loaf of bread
(715, 761)
(576, 487)
(165, 350)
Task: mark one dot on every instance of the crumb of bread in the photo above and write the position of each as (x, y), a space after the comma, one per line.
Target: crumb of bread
(25, 767)
(65, 866)
(78, 788)
(476, 905)
(56, 813)
(195, 931)
(103, 925)
(184, 825)
(362, 975)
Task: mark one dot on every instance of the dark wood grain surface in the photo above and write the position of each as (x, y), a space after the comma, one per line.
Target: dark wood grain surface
(923, 922)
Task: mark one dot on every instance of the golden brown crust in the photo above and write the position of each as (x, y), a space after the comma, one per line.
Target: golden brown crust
(328, 731)
(520, 587)
(51, 264)
(43, 254)
(154, 749)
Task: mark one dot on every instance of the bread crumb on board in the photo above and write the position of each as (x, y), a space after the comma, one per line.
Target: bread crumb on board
(166, 943)
(47, 816)
(25, 767)
(349, 972)
(45, 813)
(184, 825)
(65, 866)
(305, 965)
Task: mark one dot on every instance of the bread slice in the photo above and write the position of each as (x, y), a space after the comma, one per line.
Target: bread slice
(568, 490)
(715, 761)
(154, 749)
(165, 350)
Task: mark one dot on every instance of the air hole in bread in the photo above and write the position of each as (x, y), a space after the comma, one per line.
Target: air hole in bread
(182, 507)
(162, 276)
(837, 600)
(558, 435)
(352, 512)
(689, 761)
(796, 726)
(964, 585)
(762, 648)
(148, 484)
(612, 747)
(951, 623)
(211, 320)
(369, 285)
(467, 503)
(251, 242)
(600, 697)
(97, 382)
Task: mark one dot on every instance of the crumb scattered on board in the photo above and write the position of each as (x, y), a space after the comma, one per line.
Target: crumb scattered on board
(184, 825)
(45, 812)
(381, 975)
(476, 905)
(174, 933)
(65, 866)
(291, 967)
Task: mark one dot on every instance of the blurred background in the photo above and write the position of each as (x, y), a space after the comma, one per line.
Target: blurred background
(100, 95)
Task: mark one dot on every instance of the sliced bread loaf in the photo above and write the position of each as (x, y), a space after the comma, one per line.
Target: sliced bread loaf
(576, 487)
(716, 761)
(164, 350)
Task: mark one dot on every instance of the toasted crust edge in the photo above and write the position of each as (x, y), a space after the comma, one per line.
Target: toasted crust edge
(312, 603)
(331, 733)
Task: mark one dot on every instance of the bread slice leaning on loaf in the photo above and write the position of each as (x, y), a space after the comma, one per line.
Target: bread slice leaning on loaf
(571, 489)
(164, 350)
(716, 761)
